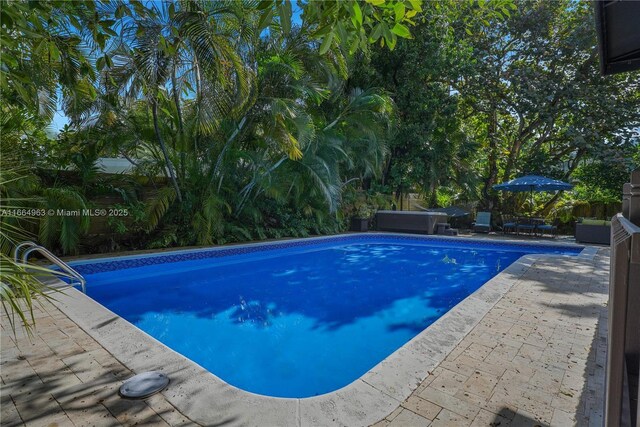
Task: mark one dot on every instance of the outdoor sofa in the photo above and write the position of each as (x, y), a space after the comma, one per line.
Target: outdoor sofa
(593, 231)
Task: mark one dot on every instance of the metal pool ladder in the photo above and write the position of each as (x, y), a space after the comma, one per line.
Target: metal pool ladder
(65, 269)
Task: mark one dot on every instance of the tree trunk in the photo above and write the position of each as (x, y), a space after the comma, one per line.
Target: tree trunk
(547, 206)
(163, 147)
(511, 159)
(524, 133)
(387, 170)
(576, 161)
(493, 159)
(196, 134)
(365, 183)
(432, 202)
(176, 100)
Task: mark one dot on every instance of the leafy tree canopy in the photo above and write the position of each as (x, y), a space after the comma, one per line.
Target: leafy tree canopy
(482, 101)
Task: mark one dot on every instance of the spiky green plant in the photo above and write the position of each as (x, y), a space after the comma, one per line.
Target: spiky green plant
(19, 285)
(20, 290)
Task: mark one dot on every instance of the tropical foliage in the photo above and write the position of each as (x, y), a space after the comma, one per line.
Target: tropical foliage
(538, 100)
(237, 117)
(483, 103)
(240, 119)
(20, 286)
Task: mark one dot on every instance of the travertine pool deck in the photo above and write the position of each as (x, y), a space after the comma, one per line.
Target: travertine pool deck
(535, 358)
(62, 377)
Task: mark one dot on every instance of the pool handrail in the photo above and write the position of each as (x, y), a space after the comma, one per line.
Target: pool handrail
(67, 270)
(19, 246)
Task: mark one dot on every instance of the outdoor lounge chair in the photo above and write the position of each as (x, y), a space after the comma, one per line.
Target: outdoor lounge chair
(526, 225)
(483, 222)
(548, 228)
(509, 224)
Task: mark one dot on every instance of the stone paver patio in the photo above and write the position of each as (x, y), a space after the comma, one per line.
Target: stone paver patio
(536, 358)
(63, 377)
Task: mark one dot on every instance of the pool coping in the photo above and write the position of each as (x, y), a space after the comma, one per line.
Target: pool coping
(207, 399)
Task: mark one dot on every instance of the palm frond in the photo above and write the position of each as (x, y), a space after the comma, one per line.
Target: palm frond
(68, 223)
(158, 206)
(21, 287)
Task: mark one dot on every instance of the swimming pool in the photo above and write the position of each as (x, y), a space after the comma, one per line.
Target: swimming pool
(299, 318)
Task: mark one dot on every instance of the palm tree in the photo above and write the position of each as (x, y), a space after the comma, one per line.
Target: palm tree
(243, 118)
(183, 54)
(310, 147)
(47, 48)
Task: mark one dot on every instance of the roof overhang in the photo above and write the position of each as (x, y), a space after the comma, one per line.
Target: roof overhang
(618, 26)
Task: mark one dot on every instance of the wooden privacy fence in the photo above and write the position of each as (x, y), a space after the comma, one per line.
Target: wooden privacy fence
(623, 355)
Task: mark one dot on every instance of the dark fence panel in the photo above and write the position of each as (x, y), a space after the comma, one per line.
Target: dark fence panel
(623, 356)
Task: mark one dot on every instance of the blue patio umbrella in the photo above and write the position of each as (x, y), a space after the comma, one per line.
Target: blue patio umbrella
(533, 183)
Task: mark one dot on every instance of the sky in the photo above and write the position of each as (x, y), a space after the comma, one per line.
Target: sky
(59, 120)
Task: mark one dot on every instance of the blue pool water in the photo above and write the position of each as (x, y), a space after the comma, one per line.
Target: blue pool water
(301, 321)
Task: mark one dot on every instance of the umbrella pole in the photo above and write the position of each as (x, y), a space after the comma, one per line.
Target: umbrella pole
(531, 193)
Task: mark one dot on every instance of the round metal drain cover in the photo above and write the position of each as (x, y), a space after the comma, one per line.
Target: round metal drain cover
(144, 385)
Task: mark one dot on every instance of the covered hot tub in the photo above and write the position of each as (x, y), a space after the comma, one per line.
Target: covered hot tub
(409, 221)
